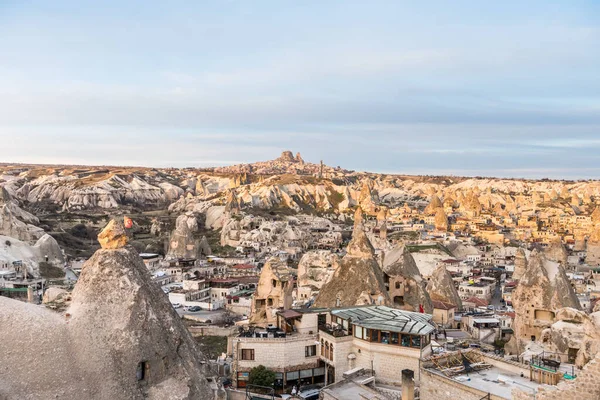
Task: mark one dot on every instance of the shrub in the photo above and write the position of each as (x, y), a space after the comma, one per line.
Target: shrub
(261, 376)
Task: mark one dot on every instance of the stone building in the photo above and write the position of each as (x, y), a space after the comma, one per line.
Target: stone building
(378, 338)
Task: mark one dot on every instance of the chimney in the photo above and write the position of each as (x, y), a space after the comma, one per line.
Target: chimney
(408, 384)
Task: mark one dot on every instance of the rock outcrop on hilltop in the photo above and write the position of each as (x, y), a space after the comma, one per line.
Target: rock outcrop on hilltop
(441, 287)
(542, 290)
(358, 280)
(407, 288)
(120, 339)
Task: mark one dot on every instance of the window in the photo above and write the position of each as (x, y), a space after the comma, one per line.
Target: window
(248, 354)
(374, 335)
(310, 351)
(415, 341)
(274, 282)
(331, 352)
(394, 338)
(140, 372)
(406, 340)
(385, 337)
(397, 285)
(358, 332)
(322, 347)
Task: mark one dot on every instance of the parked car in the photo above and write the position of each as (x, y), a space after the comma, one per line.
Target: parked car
(311, 394)
(176, 305)
(194, 309)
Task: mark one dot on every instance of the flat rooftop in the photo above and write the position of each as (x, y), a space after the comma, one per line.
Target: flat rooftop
(348, 390)
(497, 381)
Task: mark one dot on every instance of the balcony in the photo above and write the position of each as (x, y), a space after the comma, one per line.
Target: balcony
(334, 330)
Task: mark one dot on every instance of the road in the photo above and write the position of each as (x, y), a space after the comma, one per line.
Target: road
(497, 297)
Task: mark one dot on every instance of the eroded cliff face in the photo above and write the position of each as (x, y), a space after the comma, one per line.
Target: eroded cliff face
(16, 222)
(120, 339)
(316, 267)
(542, 290)
(406, 286)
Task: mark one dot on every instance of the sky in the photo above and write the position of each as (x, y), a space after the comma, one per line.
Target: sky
(475, 88)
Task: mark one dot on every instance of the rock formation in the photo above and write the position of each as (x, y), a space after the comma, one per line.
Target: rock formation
(120, 339)
(316, 267)
(359, 279)
(441, 220)
(286, 156)
(182, 243)
(46, 249)
(542, 290)
(593, 248)
(557, 252)
(273, 293)
(433, 205)
(520, 264)
(441, 287)
(407, 288)
(113, 236)
(574, 332)
(15, 222)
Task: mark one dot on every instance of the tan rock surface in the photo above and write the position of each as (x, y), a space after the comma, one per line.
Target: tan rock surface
(113, 236)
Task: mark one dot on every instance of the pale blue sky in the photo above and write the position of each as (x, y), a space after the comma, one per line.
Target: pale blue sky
(465, 87)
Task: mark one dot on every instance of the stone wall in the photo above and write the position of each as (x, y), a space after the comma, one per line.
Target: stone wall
(437, 387)
(386, 360)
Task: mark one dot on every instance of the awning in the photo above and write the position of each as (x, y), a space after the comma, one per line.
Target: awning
(289, 314)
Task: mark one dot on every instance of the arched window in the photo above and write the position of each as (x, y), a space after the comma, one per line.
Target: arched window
(331, 352)
(326, 349)
(322, 347)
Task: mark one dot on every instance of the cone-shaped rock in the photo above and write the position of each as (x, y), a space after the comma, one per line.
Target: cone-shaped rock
(358, 280)
(441, 287)
(556, 251)
(433, 205)
(441, 220)
(120, 339)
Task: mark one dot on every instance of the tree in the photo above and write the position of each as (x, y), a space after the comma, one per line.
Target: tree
(261, 376)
